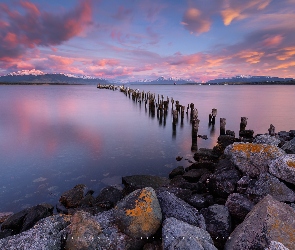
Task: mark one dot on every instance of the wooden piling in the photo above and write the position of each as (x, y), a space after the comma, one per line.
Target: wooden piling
(243, 123)
(222, 126)
(271, 130)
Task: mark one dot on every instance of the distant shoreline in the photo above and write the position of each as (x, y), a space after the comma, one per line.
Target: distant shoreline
(39, 83)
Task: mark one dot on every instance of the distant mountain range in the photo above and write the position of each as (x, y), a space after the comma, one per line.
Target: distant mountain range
(249, 79)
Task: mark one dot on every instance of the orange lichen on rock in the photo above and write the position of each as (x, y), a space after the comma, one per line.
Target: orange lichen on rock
(252, 148)
(142, 213)
(291, 164)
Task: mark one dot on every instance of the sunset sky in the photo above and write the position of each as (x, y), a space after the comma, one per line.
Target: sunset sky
(138, 39)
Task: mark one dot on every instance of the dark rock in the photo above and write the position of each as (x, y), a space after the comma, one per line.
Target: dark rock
(60, 208)
(139, 213)
(200, 201)
(109, 196)
(243, 184)
(206, 164)
(284, 135)
(87, 201)
(270, 220)
(239, 205)
(195, 174)
(176, 171)
(153, 246)
(289, 146)
(134, 182)
(177, 234)
(5, 233)
(179, 158)
(205, 154)
(180, 182)
(4, 216)
(72, 198)
(246, 134)
(174, 207)
(268, 184)
(181, 193)
(266, 139)
(218, 223)
(222, 142)
(27, 218)
(223, 181)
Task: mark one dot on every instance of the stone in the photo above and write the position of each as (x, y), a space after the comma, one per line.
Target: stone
(27, 218)
(84, 232)
(181, 193)
(73, 197)
(205, 164)
(177, 234)
(134, 182)
(176, 171)
(205, 154)
(284, 168)
(289, 146)
(139, 213)
(267, 139)
(179, 182)
(4, 216)
(194, 175)
(200, 201)
(268, 184)
(243, 184)
(224, 180)
(109, 196)
(270, 220)
(252, 158)
(275, 245)
(218, 223)
(239, 205)
(48, 233)
(172, 206)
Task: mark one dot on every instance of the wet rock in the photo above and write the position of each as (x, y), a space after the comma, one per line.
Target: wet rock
(218, 223)
(177, 234)
(270, 220)
(268, 184)
(205, 164)
(284, 135)
(243, 184)
(73, 197)
(134, 182)
(139, 213)
(60, 208)
(84, 232)
(181, 193)
(251, 158)
(284, 168)
(109, 196)
(4, 216)
(224, 180)
(246, 133)
(48, 233)
(179, 182)
(267, 139)
(153, 246)
(205, 154)
(275, 245)
(176, 171)
(289, 147)
(27, 218)
(200, 201)
(222, 142)
(174, 207)
(239, 205)
(195, 174)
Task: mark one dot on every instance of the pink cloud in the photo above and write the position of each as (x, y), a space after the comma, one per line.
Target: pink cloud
(195, 21)
(61, 60)
(106, 62)
(273, 41)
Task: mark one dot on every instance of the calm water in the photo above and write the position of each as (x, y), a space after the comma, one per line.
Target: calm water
(54, 137)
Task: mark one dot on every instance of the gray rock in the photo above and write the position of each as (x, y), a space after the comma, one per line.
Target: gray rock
(198, 201)
(218, 223)
(268, 184)
(284, 168)
(47, 234)
(274, 245)
(239, 205)
(182, 193)
(177, 234)
(73, 197)
(139, 213)
(27, 218)
(270, 220)
(134, 182)
(174, 207)
(267, 139)
(243, 184)
(194, 175)
(252, 158)
(109, 196)
(205, 154)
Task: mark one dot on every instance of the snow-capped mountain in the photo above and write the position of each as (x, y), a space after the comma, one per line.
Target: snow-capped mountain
(33, 72)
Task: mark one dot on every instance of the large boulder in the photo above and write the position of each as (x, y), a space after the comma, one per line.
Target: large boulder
(239, 205)
(27, 218)
(270, 220)
(139, 213)
(177, 234)
(252, 158)
(73, 197)
(218, 223)
(268, 184)
(267, 139)
(284, 168)
(194, 175)
(289, 146)
(134, 182)
(108, 197)
(48, 233)
(174, 207)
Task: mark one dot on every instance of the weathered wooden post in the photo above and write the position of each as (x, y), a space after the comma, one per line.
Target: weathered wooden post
(271, 130)
(175, 116)
(214, 114)
(192, 106)
(243, 123)
(222, 126)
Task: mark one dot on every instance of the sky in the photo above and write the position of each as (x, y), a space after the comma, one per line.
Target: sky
(145, 39)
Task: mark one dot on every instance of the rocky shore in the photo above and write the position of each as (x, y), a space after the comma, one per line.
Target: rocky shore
(238, 195)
